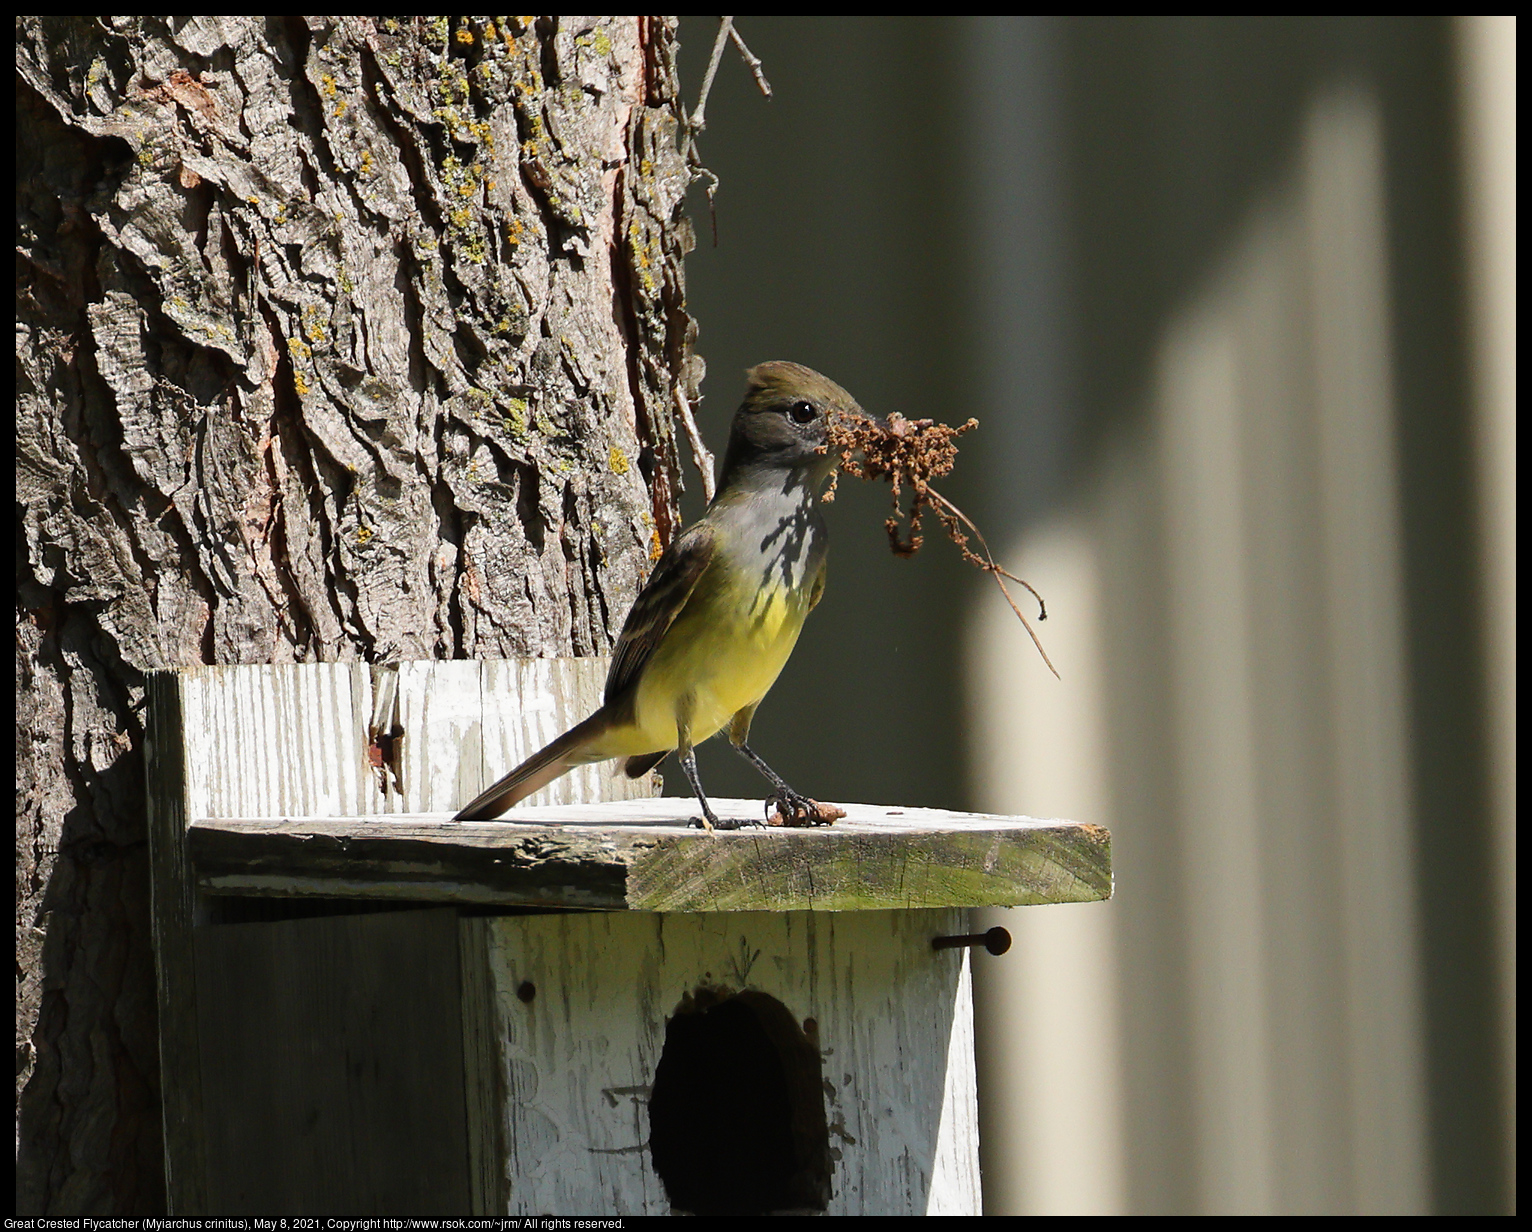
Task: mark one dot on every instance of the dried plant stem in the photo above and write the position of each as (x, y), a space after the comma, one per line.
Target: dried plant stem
(913, 452)
(989, 566)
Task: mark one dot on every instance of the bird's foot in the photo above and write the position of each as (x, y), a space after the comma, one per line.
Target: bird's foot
(711, 821)
(734, 823)
(799, 811)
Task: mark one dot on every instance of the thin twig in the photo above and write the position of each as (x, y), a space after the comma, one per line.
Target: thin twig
(752, 60)
(698, 120)
(700, 454)
(991, 565)
(999, 573)
(698, 172)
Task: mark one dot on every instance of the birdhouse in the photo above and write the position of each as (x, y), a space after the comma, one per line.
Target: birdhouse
(587, 1007)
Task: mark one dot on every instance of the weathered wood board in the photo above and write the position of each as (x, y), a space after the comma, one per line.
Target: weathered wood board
(892, 1018)
(299, 738)
(644, 855)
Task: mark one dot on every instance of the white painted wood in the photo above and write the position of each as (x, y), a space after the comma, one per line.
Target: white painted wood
(523, 705)
(955, 1188)
(557, 1088)
(483, 1088)
(670, 816)
(272, 740)
(441, 711)
(262, 738)
(894, 1026)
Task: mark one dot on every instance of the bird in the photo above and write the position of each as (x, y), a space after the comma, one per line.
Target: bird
(719, 616)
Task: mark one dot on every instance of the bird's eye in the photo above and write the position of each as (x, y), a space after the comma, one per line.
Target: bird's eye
(801, 412)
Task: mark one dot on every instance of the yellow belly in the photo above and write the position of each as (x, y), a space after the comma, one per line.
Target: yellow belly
(722, 653)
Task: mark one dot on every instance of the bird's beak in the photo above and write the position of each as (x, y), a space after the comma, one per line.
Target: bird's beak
(881, 421)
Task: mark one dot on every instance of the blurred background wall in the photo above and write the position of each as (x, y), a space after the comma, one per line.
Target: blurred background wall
(1234, 301)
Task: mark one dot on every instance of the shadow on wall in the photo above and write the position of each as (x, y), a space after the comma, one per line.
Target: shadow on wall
(1199, 280)
(1265, 460)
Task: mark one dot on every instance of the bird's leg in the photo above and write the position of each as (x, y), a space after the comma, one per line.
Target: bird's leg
(796, 809)
(687, 756)
(709, 820)
(798, 806)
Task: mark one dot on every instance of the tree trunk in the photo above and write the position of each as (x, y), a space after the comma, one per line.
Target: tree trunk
(338, 338)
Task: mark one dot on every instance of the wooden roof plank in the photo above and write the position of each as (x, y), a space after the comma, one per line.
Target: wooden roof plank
(643, 855)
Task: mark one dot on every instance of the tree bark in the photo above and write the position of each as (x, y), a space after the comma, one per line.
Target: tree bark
(338, 338)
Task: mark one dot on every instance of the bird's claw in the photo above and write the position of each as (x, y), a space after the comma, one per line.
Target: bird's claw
(723, 823)
(737, 823)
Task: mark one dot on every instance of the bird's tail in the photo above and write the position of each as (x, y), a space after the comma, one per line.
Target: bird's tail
(547, 764)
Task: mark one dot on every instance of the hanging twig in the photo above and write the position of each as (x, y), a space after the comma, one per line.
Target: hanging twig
(913, 452)
(989, 566)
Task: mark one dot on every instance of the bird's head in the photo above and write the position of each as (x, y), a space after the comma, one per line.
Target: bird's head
(782, 422)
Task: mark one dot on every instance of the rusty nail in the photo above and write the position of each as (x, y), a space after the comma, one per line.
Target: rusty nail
(997, 941)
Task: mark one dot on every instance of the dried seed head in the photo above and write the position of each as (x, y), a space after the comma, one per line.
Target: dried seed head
(910, 453)
(904, 451)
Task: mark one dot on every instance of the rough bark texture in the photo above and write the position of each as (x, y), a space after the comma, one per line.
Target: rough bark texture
(337, 338)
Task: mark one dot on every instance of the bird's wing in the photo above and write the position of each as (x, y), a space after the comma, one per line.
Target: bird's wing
(663, 596)
(818, 592)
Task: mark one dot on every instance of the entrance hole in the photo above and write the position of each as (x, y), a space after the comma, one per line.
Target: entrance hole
(737, 1115)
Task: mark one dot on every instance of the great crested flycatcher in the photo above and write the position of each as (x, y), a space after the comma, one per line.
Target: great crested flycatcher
(722, 610)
